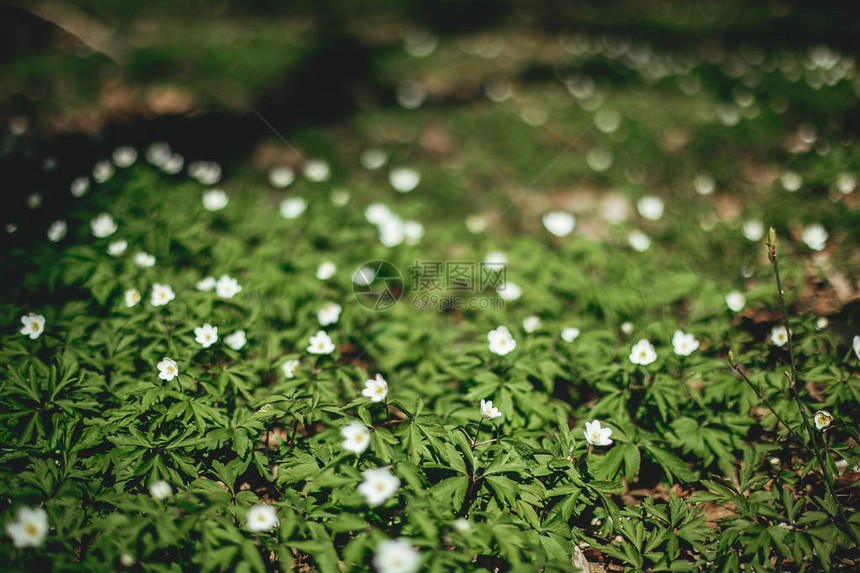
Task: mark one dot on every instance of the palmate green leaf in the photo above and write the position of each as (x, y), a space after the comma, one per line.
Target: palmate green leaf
(671, 464)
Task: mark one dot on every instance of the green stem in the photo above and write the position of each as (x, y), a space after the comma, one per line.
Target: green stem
(793, 388)
(477, 433)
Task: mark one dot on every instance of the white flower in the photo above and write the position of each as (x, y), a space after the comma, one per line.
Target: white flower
(289, 368)
(404, 180)
(412, 232)
(161, 294)
(704, 184)
(392, 231)
(846, 183)
(650, 207)
(158, 153)
(206, 284)
(356, 437)
(377, 213)
(627, 327)
(822, 419)
(34, 200)
(378, 485)
(396, 556)
(320, 343)
(489, 411)
(778, 336)
(462, 525)
(131, 297)
(227, 287)
(559, 223)
(684, 344)
(363, 276)
(160, 490)
(326, 270)
(124, 156)
(639, 241)
(79, 187)
(501, 341)
(167, 369)
(126, 559)
(510, 291)
(262, 517)
(376, 388)
(34, 325)
(815, 236)
(597, 436)
(531, 323)
(855, 344)
(117, 248)
(281, 176)
(495, 259)
(144, 260)
(30, 529)
(643, 353)
(821, 323)
(103, 226)
(215, 200)
(57, 231)
(293, 207)
(735, 300)
(373, 159)
(753, 230)
(237, 340)
(102, 171)
(791, 181)
(206, 335)
(329, 313)
(317, 170)
(173, 164)
(569, 334)
(205, 172)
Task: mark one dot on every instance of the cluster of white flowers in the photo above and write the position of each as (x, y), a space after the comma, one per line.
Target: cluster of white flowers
(205, 172)
(392, 229)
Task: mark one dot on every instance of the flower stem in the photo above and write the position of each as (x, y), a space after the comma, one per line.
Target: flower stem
(477, 433)
(793, 388)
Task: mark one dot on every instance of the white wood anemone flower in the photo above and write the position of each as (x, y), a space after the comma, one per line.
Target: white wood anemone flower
(396, 556)
(34, 325)
(30, 528)
(356, 437)
(378, 486)
(375, 388)
(262, 517)
(596, 435)
(501, 341)
(320, 343)
(643, 353)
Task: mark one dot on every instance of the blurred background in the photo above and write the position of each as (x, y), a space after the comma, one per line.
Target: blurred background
(482, 96)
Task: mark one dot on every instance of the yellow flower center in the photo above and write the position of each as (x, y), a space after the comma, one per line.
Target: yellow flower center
(34, 325)
(31, 529)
